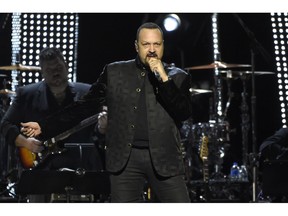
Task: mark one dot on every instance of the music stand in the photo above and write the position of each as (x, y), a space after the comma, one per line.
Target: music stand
(63, 182)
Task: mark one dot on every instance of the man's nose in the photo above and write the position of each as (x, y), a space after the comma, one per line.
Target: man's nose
(151, 48)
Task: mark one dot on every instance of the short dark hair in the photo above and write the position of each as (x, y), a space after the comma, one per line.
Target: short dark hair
(148, 25)
(49, 53)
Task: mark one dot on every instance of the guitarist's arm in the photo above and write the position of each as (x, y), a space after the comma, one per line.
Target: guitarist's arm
(102, 122)
(30, 143)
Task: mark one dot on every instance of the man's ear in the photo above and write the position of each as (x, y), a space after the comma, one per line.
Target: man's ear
(136, 46)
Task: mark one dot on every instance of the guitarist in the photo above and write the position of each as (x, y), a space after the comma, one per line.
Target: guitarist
(39, 100)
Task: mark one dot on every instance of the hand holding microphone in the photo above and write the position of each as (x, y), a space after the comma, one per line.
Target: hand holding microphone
(157, 68)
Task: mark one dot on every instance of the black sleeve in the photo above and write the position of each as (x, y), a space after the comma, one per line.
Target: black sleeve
(175, 94)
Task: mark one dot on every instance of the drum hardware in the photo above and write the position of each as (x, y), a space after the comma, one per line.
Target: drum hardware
(20, 67)
(6, 96)
(231, 74)
(243, 75)
(199, 91)
(221, 191)
(219, 65)
(7, 93)
(255, 48)
(218, 128)
(219, 119)
(244, 121)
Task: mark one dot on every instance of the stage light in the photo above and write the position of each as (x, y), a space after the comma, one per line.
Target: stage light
(279, 23)
(33, 32)
(171, 22)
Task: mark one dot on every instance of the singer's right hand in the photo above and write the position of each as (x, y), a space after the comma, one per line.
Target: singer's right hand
(102, 120)
(156, 66)
(31, 129)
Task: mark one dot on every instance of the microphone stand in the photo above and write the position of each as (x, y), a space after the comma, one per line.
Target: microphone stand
(255, 47)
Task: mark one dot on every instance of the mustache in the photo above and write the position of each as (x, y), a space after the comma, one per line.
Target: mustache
(151, 55)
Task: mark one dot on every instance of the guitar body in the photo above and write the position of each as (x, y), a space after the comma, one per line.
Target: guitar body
(30, 159)
(27, 158)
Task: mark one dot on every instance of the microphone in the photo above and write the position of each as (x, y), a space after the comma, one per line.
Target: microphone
(156, 74)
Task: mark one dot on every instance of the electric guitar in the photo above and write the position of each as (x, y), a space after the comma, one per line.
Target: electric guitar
(204, 157)
(31, 160)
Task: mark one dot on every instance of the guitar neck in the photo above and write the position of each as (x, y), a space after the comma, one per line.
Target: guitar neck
(204, 156)
(83, 124)
(205, 169)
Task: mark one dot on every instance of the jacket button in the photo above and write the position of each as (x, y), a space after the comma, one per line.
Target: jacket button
(132, 126)
(142, 74)
(135, 107)
(138, 90)
(129, 144)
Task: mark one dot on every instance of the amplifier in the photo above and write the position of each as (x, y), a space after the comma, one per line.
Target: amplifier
(275, 178)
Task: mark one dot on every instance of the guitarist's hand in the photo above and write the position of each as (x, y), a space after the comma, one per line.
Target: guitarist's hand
(34, 145)
(31, 129)
(31, 144)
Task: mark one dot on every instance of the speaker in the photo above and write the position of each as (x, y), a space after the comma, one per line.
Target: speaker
(275, 178)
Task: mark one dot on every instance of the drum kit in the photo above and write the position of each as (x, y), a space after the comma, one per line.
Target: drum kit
(217, 129)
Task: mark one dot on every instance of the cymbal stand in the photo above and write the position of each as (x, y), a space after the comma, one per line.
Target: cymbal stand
(230, 93)
(244, 121)
(5, 99)
(254, 156)
(18, 76)
(218, 120)
(256, 47)
(218, 95)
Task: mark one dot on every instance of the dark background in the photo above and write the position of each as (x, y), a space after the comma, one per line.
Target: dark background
(108, 37)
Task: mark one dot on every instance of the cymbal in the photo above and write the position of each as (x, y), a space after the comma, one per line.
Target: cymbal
(231, 73)
(199, 91)
(217, 64)
(20, 67)
(7, 92)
